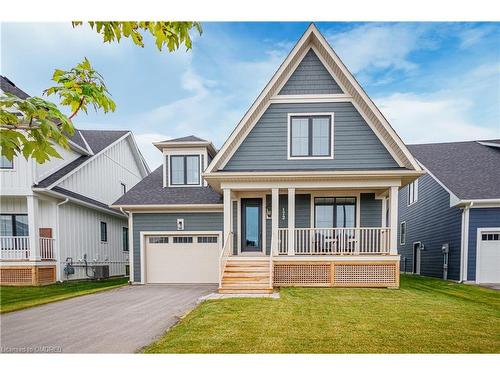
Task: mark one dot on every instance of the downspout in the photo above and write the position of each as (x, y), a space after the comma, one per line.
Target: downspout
(57, 241)
(130, 247)
(465, 242)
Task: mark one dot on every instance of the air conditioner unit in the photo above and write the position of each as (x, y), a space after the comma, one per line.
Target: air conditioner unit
(101, 272)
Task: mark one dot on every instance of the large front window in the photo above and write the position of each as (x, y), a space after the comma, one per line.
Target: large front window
(185, 170)
(335, 212)
(14, 225)
(311, 136)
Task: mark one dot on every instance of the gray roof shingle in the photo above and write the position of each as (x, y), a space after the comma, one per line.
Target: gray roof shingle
(189, 138)
(470, 170)
(151, 191)
(8, 86)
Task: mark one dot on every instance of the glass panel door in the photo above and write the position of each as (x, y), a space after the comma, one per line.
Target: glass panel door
(251, 224)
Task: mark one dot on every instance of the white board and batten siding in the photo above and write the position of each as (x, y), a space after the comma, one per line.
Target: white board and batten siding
(46, 169)
(80, 234)
(13, 205)
(17, 181)
(101, 178)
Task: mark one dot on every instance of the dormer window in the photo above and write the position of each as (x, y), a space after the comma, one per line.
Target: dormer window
(310, 136)
(185, 170)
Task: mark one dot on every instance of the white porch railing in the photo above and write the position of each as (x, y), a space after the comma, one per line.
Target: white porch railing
(14, 247)
(46, 248)
(18, 247)
(336, 241)
(226, 252)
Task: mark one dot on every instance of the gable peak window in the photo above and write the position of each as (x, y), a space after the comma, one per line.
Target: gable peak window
(310, 136)
(185, 169)
(413, 192)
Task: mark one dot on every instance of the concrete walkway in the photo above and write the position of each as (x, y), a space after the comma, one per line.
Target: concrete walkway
(117, 321)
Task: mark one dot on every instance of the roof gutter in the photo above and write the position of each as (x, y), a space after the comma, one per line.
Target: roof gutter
(78, 201)
(477, 202)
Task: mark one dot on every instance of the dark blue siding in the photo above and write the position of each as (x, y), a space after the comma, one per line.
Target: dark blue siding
(432, 221)
(310, 77)
(168, 222)
(479, 218)
(355, 145)
(370, 210)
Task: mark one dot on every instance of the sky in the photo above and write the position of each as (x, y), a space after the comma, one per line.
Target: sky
(434, 82)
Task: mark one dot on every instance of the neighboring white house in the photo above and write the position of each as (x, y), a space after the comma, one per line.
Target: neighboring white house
(58, 213)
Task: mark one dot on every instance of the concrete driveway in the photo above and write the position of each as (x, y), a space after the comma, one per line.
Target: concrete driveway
(117, 321)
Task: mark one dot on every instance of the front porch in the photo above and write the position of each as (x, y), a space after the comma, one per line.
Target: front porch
(309, 237)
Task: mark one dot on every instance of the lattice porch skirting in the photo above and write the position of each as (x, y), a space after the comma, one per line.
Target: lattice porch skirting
(27, 275)
(384, 274)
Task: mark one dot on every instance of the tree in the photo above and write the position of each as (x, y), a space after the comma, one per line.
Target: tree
(31, 127)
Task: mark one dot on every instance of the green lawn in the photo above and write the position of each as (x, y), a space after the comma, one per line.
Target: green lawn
(20, 297)
(425, 316)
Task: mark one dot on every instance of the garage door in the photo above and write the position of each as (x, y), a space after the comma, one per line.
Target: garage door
(488, 257)
(182, 258)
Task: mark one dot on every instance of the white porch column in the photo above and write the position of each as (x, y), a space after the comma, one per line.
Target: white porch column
(291, 221)
(32, 204)
(227, 213)
(274, 220)
(393, 219)
(384, 213)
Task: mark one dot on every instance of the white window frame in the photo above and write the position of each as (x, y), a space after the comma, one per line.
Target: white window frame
(169, 169)
(413, 184)
(402, 241)
(289, 136)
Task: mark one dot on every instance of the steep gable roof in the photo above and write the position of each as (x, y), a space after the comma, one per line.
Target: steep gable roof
(9, 87)
(189, 138)
(470, 170)
(352, 91)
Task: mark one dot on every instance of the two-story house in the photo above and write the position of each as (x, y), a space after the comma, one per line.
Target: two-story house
(450, 218)
(55, 219)
(303, 192)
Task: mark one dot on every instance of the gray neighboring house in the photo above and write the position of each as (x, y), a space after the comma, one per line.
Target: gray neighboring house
(449, 219)
(303, 192)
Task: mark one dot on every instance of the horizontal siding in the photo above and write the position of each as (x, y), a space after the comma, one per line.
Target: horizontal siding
(310, 77)
(203, 221)
(355, 144)
(370, 210)
(432, 221)
(479, 218)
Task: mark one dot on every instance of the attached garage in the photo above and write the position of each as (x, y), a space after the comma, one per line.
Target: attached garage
(488, 256)
(181, 258)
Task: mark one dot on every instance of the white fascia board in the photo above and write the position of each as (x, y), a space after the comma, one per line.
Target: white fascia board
(170, 207)
(78, 201)
(87, 162)
(143, 165)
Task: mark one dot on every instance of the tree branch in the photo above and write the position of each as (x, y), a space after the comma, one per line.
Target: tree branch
(77, 109)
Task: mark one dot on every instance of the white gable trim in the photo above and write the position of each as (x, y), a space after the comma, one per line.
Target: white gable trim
(86, 162)
(398, 150)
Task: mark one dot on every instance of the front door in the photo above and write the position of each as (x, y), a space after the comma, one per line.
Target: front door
(416, 257)
(251, 224)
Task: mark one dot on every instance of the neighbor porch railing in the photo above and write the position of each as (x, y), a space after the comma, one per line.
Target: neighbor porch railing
(18, 248)
(335, 241)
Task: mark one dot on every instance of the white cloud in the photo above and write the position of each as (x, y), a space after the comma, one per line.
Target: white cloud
(424, 119)
(377, 46)
(152, 155)
(471, 36)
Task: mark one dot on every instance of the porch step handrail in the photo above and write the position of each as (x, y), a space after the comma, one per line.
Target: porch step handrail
(14, 247)
(336, 241)
(224, 255)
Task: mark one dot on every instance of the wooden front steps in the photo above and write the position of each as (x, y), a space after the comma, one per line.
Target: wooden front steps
(246, 276)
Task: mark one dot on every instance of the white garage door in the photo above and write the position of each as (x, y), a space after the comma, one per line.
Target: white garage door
(488, 254)
(182, 258)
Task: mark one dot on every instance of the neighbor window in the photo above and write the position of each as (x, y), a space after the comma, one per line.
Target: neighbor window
(402, 233)
(185, 170)
(311, 136)
(332, 212)
(14, 225)
(104, 231)
(6, 163)
(125, 238)
(413, 192)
